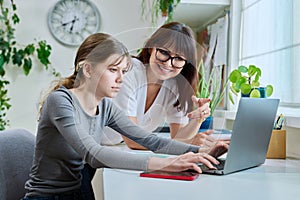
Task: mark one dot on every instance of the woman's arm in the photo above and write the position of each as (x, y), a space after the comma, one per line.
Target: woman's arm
(184, 132)
(189, 133)
(131, 144)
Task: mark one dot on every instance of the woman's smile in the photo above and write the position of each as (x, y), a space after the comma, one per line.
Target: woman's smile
(164, 69)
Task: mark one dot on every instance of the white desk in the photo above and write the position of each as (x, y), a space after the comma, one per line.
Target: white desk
(274, 180)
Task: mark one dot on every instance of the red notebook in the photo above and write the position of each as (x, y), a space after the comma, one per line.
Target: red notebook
(186, 175)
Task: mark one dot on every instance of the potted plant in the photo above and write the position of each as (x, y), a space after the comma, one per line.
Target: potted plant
(13, 54)
(210, 85)
(165, 7)
(245, 80)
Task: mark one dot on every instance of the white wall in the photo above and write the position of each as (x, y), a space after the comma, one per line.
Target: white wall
(119, 18)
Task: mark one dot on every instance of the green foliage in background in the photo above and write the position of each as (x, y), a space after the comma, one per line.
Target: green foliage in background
(245, 80)
(159, 7)
(12, 54)
(212, 87)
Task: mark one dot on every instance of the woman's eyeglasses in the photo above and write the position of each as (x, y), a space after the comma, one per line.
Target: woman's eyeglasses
(163, 56)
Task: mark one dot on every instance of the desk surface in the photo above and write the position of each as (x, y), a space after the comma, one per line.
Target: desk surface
(274, 180)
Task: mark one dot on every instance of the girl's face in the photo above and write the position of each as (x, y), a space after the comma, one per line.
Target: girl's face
(108, 78)
(165, 64)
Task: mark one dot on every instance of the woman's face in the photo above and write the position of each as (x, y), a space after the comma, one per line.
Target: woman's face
(108, 78)
(165, 64)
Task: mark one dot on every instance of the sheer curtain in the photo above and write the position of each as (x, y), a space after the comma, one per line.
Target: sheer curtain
(270, 39)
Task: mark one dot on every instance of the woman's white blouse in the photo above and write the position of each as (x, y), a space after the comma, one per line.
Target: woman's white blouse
(132, 99)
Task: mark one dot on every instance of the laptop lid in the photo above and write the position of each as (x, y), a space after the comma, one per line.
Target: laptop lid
(251, 133)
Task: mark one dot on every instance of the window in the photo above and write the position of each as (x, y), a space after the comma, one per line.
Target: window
(270, 39)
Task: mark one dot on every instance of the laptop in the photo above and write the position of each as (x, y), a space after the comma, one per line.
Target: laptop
(250, 135)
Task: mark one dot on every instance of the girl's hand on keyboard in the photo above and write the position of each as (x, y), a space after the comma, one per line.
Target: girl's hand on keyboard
(187, 161)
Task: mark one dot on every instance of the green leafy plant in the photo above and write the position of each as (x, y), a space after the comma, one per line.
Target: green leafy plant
(163, 7)
(13, 54)
(245, 80)
(212, 86)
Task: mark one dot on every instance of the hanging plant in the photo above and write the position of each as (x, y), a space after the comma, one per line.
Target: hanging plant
(12, 54)
(157, 7)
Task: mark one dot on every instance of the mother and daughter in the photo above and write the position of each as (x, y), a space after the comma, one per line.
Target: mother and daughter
(77, 109)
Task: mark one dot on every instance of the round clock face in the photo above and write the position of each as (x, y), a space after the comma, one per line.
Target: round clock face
(71, 21)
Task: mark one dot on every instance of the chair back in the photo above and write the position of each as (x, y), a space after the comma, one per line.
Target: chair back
(16, 155)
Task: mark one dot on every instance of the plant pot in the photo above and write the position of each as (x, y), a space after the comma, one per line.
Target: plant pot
(262, 91)
(206, 124)
(245, 95)
(164, 13)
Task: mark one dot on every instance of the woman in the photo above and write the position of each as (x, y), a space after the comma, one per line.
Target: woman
(161, 86)
(71, 124)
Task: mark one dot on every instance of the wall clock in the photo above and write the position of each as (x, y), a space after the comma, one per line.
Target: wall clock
(71, 21)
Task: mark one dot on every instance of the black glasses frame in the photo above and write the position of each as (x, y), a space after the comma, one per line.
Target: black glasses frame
(166, 53)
